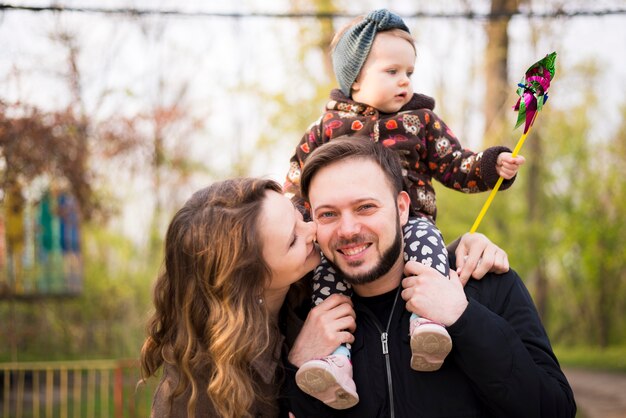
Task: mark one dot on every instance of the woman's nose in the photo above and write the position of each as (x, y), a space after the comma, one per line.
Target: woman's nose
(311, 231)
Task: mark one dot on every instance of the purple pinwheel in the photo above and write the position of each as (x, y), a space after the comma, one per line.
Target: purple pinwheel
(533, 90)
(533, 93)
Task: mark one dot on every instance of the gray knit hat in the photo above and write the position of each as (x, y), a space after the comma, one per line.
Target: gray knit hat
(354, 46)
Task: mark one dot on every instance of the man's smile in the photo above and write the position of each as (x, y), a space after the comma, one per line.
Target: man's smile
(354, 249)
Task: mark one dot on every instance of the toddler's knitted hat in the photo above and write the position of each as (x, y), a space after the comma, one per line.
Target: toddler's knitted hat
(354, 46)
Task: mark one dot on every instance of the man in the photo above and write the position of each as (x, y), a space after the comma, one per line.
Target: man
(501, 364)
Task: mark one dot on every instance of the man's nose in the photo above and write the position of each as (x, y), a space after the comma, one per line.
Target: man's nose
(349, 226)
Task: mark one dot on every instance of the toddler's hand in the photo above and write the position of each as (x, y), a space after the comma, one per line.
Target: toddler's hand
(507, 165)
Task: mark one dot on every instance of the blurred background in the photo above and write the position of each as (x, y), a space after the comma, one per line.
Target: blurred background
(113, 112)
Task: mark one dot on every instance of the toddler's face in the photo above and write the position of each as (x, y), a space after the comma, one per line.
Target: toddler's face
(385, 79)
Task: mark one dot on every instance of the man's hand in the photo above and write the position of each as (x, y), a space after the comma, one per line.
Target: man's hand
(328, 325)
(507, 166)
(476, 256)
(431, 295)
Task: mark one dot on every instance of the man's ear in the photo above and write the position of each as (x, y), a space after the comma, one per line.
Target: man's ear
(404, 204)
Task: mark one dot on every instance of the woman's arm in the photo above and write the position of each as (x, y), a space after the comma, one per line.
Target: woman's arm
(327, 326)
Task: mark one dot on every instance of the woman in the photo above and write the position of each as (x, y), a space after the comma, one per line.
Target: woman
(232, 253)
(218, 298)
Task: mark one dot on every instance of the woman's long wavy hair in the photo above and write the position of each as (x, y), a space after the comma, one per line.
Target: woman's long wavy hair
(207, 312)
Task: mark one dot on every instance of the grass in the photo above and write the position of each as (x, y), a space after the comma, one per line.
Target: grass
(611, 358)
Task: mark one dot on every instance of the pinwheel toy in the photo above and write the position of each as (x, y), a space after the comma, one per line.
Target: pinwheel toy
(533, 92)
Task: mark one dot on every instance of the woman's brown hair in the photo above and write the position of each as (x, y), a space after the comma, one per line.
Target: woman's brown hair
(207, 317)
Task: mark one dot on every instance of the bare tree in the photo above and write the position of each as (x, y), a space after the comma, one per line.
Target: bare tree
(496, 63)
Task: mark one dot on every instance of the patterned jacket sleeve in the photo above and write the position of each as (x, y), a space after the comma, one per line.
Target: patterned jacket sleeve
(311, 139)
(456, 167)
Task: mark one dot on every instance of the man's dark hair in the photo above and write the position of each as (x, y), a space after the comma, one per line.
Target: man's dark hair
(360, 147)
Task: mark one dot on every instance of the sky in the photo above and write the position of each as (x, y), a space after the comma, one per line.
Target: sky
(123, 60)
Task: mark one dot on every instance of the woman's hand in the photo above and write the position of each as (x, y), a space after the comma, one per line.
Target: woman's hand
(428, 294)
(476, 256)
(328, 325)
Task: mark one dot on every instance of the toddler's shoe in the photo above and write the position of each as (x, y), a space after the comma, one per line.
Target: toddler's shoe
(430, 344)
(329, 379)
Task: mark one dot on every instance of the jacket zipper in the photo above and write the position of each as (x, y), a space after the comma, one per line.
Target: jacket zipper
(384, 337)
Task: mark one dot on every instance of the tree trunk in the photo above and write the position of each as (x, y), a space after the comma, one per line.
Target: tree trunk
(496, 60)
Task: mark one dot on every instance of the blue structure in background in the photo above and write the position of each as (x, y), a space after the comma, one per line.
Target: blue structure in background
(40, 251)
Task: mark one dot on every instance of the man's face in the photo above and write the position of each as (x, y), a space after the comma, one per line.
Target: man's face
(358, 218)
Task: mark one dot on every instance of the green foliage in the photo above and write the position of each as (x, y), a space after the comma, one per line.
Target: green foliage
(592, 235)
(568, 244)
(294, 109)
(611, 358)
(563, 223)
(106, 321)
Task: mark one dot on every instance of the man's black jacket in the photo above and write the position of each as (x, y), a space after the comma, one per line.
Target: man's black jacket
(501, 364)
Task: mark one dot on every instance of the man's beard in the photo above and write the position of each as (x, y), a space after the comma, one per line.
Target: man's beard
(388, 259)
